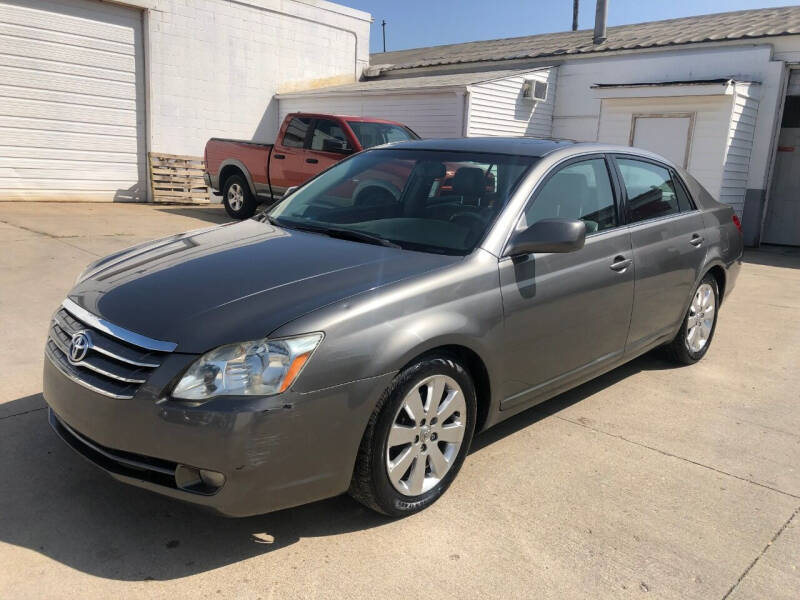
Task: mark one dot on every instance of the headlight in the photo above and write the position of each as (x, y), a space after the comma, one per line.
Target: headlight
(257, 368)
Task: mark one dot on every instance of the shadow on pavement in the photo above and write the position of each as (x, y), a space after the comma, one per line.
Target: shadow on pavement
(652, 361)
(56, 503)
(774, 256)
(214, 213)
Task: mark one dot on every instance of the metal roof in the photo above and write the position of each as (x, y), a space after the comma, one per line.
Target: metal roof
(739, 25)
(452, 80)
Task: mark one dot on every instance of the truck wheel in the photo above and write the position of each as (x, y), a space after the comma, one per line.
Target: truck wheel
(236, 196)
(417, 438)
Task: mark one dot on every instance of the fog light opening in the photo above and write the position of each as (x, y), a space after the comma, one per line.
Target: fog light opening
(212, 478)
(198, 481)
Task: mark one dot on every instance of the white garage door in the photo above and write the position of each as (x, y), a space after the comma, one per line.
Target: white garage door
(71, 101)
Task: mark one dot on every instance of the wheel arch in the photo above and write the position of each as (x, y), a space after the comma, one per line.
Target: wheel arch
(231, 167)
(474, 365)
(719, 274)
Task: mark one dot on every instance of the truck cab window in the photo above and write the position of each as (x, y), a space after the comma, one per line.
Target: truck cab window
(296, 131)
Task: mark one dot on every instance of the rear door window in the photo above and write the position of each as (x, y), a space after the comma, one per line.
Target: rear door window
(329, 137)
(650, 189)
(296, 131)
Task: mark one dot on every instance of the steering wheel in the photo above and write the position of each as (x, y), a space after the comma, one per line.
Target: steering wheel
(477, 219)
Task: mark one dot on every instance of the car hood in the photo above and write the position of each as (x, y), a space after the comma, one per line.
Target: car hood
(237, 282)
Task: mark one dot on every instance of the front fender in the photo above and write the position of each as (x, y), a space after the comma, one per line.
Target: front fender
(380, 331)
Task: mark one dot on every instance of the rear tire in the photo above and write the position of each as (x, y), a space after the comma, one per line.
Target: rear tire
(237, 198)
(697, 330)
(417, 438)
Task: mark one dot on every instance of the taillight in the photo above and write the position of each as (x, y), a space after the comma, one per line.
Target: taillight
(738, 223)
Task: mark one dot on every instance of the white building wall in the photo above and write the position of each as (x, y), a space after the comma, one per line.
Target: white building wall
(739, 146)
(496, 107)
(214, 66)
(430, 115)
(709, 136)
(577, 111)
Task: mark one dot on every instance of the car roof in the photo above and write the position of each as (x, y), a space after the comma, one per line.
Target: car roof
(521, 146)
(495, 145)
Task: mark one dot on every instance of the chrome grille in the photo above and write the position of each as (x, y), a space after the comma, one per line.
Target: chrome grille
(112, 365)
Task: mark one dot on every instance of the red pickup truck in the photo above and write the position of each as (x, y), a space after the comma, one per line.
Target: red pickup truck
(248, 173)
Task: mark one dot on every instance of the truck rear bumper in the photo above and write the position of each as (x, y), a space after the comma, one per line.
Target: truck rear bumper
(211, 181)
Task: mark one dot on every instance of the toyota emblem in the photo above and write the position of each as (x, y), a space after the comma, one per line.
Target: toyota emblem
(81, 342)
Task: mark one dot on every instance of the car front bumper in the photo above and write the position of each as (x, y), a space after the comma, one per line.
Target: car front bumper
(274, 452)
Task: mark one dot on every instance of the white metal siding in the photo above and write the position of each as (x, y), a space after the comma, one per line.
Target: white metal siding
(708, 143)
(431, 115)
(496, 108)
(71, 101)
(739, 146)
(578, 108)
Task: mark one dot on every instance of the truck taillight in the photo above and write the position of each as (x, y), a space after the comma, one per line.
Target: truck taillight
(738, 223)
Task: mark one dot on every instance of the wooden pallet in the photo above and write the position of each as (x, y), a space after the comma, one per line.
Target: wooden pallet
(178, 179)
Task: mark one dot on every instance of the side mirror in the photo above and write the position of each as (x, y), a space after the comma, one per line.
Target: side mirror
(548, 235)
(338, 146)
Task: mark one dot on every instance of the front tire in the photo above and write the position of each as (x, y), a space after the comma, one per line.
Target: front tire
(694, 337)
(417, 438)
(237, 198)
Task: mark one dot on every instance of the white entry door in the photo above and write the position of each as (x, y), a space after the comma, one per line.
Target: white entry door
(667, 135)
(72, 120)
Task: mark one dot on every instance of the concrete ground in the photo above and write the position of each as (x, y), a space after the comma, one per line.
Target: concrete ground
(651, 481)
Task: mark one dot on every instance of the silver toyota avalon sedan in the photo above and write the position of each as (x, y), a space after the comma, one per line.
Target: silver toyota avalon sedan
(356, 335)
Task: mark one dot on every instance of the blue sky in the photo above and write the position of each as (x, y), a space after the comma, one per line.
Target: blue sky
(416, 23)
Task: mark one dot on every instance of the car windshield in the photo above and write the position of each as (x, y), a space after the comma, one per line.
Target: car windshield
(431, 201)
(376, 134)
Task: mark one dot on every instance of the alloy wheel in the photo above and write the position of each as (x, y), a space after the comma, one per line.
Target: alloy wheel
(700, 320)
(235, 197)
(426, 435)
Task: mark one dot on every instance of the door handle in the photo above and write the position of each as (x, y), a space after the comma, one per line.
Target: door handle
(312, 161)
(620, 264)
(696, 240)
(279, 156)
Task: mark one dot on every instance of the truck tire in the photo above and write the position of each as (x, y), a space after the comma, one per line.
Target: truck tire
(237, 198)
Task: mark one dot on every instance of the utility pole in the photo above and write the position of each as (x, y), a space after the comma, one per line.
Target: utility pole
(574, 15)
(383, 26)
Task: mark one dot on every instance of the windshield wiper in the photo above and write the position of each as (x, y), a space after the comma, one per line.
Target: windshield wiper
(359, 236)
(264, 216)
(336, 232)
